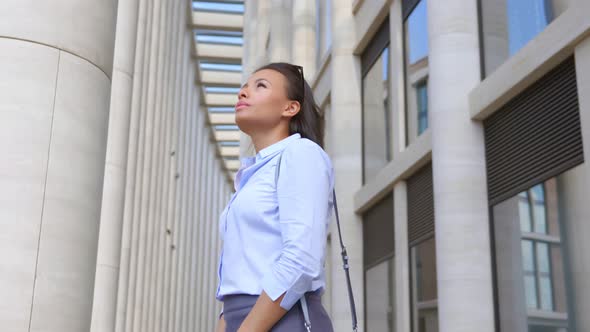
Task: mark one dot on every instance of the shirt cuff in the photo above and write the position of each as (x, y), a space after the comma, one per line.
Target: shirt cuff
(274, 288)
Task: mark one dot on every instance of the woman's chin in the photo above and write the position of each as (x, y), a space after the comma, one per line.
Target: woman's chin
(243, 123)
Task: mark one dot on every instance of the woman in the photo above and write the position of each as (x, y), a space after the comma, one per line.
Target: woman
(274, 227)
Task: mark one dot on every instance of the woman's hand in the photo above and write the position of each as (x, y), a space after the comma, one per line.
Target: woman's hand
(220, 324)
(263, 315)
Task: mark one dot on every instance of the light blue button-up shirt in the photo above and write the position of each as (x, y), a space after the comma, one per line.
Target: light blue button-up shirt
(274, 235)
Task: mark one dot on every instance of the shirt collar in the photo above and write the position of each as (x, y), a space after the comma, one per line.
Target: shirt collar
(269, 150)
(276, 147)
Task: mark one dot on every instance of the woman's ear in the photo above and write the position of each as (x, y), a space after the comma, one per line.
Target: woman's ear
(293, 107)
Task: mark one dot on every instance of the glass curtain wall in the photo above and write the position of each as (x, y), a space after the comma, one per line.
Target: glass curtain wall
(376, 115)
(540, 236)
(508, 25)
(378, 251)
(424, 288)
(416, 71)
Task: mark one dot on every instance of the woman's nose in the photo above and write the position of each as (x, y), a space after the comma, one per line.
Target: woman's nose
(243, 93)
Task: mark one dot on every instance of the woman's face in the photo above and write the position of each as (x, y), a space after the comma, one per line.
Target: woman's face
(262, 102)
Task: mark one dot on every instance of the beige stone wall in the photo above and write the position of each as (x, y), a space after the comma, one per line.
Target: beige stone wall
(56, 79)
(455, 144)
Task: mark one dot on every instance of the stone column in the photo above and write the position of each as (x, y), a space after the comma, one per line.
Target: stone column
(113, 199)
(145, 212)
(157, 163)
(205, 228)
(346, 157)
(396, 52)
(135, 126)
(211, 253)
(304, 36)
(192, 220)
(582, 54)
(181, 197)
(183, 237)
(56, 64)
(263, 31)
(251, 36)
(280, 30)
(402, 257)
(465, 299)
(200, 204)
(169, 155)
(577, 216)
(177, 82)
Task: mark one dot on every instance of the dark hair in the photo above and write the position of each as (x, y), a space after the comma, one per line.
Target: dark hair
(309, 121)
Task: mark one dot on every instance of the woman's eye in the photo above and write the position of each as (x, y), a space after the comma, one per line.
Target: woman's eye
(261, 85)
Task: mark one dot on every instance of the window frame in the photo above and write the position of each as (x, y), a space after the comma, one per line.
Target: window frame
(388, 256)
(408, 7)
(421, 84)
(429, 304)
(535, 316)
(380, 41)
(536, 238)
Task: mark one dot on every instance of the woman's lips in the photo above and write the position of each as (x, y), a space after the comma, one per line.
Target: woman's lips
(241, 104)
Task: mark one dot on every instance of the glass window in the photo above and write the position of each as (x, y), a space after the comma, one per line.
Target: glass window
(416, 71)
(377, 136)
(378, 262)
(379, 281)
(508, 25)
(537, 242)
(424, 288)
(422, 104)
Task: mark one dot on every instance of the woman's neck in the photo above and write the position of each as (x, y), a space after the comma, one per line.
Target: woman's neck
(263, 140)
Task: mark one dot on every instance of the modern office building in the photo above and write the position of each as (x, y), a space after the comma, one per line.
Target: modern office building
(459, 132)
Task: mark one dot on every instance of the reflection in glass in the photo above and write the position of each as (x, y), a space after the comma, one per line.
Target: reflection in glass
(416, 70)
(538, 203)
(422, 94)
(376, 117)
(531, 269)
(424, 288)
(379, 281)
(508, 25)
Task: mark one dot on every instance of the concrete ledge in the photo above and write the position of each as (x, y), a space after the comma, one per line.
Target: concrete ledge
(232, 165)
(220, 99)
(222, 118)
(322, 82)
(218, 51)
(230, 151)
(410, 160)
(547, 50)
(227, 135)
(217, 21)
(368, 18)
(221, 78)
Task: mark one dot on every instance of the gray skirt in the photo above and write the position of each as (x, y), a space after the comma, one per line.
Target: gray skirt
(237, 307)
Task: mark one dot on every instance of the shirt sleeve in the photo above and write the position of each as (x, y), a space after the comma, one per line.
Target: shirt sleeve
(303, 192)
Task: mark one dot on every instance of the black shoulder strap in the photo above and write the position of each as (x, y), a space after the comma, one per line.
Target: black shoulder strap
(343, 252)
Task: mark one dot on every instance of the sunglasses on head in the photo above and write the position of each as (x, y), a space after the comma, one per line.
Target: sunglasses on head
(300, 70)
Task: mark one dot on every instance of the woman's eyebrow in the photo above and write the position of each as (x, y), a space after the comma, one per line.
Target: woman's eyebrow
(258, 80)
(263, 79)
